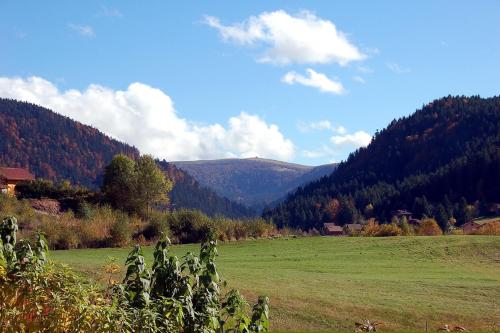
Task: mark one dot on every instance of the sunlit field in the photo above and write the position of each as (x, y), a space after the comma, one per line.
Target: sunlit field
(328, 283)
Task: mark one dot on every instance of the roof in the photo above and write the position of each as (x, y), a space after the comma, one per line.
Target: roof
(401, 212)
(471, 223)
(354, 226)
(332, 227)
(16, 174)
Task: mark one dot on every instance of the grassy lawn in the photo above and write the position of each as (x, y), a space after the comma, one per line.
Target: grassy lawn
(327, 283)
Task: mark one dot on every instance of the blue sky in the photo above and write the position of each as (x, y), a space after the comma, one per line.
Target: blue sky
(199, 80)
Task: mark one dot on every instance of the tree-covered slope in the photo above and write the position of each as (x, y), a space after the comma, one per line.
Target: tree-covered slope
(255, 182)
(442, 154)
(58, 148)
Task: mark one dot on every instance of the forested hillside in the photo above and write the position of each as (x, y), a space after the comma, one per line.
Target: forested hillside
(255, 182)
(443, 160)
(58, 148)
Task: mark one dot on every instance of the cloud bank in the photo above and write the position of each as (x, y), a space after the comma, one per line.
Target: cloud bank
(316, 80)
(146, 118)
(303, 38)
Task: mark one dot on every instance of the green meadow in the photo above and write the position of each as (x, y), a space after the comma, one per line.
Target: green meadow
(328, 283)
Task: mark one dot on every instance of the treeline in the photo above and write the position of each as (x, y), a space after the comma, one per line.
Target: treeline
(133, 204)
(188, 193)
(57, 148)
(442, 161)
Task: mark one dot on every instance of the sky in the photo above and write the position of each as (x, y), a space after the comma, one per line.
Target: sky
(299, 81)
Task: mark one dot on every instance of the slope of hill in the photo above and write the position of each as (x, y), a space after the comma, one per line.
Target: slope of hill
(57, 148)
(442, 155)
(255, 182)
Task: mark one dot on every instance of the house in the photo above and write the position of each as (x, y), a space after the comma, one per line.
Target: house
(400, 213)
(470, 227)
(331, 229)
(10, 177)
(354, 228)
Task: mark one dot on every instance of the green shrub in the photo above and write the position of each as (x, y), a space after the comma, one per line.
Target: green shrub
(174, 296)
(156, 229)
(120, 234)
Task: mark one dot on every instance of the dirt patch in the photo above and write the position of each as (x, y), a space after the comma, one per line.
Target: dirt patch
(47, 206)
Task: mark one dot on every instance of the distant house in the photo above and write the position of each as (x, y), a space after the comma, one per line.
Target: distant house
(401, 212)
(353, 228)
(10, 177)
(470, 227)
(331, 229)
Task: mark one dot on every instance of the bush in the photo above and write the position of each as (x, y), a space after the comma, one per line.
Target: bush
(387, 230)
(189, 226)
(38, 296)
(120, 234)
(371, 229)
(429, 227)
(156, 229)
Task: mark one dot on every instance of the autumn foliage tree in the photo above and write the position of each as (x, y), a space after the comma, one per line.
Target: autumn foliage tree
(429, 227)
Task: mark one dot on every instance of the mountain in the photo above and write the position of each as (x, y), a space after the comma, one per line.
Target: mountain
(255, 182)
(437, 161)
(58, 148)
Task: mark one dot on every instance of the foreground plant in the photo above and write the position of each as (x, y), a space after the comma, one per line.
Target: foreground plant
(175, 296)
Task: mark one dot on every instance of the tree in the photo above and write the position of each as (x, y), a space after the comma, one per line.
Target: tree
(152, 185)
(119, 184)
(135, 186)
(332, 209)
(368, 211)
(421, 207)
(348, 212)
(441, 217)
(464, 213)
(405, 227)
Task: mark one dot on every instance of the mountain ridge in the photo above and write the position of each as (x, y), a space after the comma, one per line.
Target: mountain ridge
(255, 182)
(441, 160)
(58, 148)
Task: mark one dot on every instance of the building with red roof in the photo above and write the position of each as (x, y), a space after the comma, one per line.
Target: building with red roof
(10, 177)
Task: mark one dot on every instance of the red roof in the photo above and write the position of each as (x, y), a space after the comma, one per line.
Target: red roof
(16, 174)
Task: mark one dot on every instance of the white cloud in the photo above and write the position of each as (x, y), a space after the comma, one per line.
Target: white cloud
(303, 38)
(84, 30)
(357, 139)
(316, 80)
(105, 11)
(365, 70)
(321, 125)
(145, 117)
(359, 79)
(397, 68)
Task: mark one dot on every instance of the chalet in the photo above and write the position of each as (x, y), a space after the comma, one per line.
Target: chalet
(331, 229)
(353, 228)
(401, 212)
(10, 177)
(470, 227)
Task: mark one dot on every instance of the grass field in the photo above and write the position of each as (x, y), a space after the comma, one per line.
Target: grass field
(327, 283)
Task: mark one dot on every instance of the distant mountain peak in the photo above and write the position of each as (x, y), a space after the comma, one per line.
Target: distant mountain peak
(254, 181)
